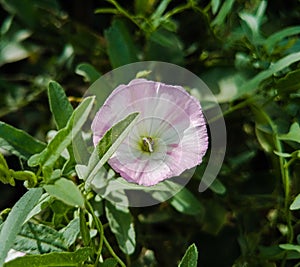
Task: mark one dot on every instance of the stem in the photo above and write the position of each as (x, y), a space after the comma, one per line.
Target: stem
(177, 10)
(111, 251)
(232, 108)
(99, 227)
(286, 184)
(285, 176)
(124, 12)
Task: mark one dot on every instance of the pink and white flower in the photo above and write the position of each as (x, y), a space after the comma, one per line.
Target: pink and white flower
(169, 137)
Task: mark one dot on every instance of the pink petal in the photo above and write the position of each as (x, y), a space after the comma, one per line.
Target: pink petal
(168, 113)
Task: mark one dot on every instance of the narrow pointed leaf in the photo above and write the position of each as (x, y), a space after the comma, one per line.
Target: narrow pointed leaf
(64, 137)
(296, 203)
(84, 230)
(120, 222)
(60, 106)
(121, 47)
(19, 142)
(190, 257)
(278, 36)
(224, 11)
(89, 73)
(185, 202)
(71, 231)
(290, 247)
(15, 219)
(253, 84)
(108, 145)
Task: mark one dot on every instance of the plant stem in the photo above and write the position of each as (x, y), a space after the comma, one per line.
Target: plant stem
(231, 109)
(99, 227)
(111, 251)
(284, 176)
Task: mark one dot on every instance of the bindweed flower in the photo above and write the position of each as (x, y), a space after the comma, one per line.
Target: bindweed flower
(169, 137)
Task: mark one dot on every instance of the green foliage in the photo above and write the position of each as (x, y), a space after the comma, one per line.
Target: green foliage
(120, 222)
(15, 219)
(52, 259)
(186, 203)
(190, 257)
(39, 239)
(62, 139)
(88, 71)
(19, 142)
(296, 203)
(59, 104)
(66, 191)
(121, 47)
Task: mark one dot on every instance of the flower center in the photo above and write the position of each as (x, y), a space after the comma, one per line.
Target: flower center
(147, 144)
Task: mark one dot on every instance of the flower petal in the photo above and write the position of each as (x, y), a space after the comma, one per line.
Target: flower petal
(169, 115)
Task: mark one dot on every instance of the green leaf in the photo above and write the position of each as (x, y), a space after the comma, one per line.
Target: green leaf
(217, 187)
(14, 51)
(88, 71)
(215, 6)
(71, 231)
(296, 203)
(166, 46)
(19, 142)
(58, 259)
(15, 219)
(282, 154)
(185, 202)
(107, 146)
(276, 37)
(190, 257)
(120, 45)
(252, 85)
(224, 11)
(290, 247)
(44, 201)
(293, 134)
(61, 110)
(39, 239)
(60, 106)
(120, 222)
(66, 191)
(84, 230)
(110, 262)
(63, 138)
(165, 38)
(253, 22)
(291, 82)
(157, 14)
(6, 25)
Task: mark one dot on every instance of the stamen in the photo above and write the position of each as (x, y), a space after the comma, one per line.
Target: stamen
(148, 144)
